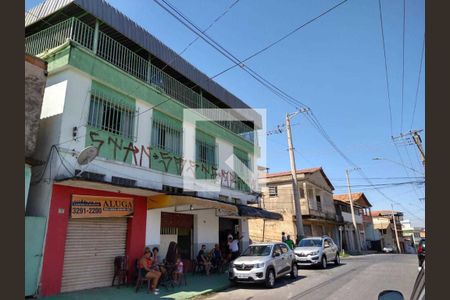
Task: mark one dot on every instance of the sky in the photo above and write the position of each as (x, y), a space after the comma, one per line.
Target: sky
(335, 65)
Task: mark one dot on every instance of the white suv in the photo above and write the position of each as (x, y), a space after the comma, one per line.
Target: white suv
(263, 263)
(317, 251)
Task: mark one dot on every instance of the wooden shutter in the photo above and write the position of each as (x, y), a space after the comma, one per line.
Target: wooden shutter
(91, 246)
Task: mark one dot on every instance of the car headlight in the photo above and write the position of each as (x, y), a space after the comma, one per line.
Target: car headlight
(314, 253)
(260, 265)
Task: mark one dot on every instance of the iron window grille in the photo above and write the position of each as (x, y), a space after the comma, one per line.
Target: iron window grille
(206, 152)
(273, 191)
(167, 137)
(111, 115)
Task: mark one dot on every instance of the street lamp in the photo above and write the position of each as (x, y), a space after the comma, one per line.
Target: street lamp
(396, 162)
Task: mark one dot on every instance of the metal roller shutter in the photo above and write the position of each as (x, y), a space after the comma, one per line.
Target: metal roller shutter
(91, 246)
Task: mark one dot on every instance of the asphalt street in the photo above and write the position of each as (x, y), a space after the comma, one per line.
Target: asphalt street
(358, 277)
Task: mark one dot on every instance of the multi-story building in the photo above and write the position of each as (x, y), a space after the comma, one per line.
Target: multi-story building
(316, 200)
(369, 237)
(174, 151)
(35, 78)
(384, 223)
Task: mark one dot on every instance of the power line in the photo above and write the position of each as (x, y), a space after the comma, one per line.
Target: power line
(385, 67)
(418, 82)
(280, 39)
(403, 62)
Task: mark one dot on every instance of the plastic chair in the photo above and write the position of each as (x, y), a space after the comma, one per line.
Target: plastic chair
(140, 279)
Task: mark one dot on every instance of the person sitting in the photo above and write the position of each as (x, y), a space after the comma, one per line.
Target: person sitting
(157, 264)
(178, 273)
(145, 267)
(216, 257)
(203, 260)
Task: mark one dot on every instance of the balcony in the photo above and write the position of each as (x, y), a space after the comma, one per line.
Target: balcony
(135, 65)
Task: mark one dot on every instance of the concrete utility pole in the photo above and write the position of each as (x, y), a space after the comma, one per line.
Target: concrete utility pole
(395, 229)
(298, 213)
(418, 141)
(358, 242)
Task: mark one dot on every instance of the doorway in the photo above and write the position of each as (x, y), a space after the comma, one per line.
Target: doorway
(227, 226)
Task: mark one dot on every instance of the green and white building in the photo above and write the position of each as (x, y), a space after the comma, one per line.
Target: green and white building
(177, 145)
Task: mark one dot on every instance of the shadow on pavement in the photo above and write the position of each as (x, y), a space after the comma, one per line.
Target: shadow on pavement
(279, 283)
(331, 266)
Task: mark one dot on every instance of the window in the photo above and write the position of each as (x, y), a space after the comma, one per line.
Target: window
(273, 191)
(111, 115)
(284, 249)
(277, 249)
(319, 203)
(236, 200)
(302, 193)
(166, 135)
(205, 152)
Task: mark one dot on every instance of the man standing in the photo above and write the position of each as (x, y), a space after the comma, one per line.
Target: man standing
(290, 242)
(283, 237)
(233, 245)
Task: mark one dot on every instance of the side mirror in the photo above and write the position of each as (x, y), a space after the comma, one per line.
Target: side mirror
(275, 254)
(327, 246)
(390, 295)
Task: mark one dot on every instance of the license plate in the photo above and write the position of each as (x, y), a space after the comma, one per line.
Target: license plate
(241, 276)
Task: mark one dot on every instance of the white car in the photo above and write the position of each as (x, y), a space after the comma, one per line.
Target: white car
(264, 263)
(317, 251)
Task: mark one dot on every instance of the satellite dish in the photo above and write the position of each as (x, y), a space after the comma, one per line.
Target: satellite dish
(87, 155)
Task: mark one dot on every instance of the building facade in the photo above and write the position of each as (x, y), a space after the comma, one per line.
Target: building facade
(383, 222)
(368, 236)
(316, 200)
(174, 152)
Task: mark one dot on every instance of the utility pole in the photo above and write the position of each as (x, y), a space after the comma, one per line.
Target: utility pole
(358, 242)
(418, 141)
(395, 229)
(298, 213)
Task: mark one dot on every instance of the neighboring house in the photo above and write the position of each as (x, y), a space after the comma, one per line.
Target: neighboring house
(35, 79)
(408, 236)
(383, 222)
(163, 173)
(317, 208)
(369, 237)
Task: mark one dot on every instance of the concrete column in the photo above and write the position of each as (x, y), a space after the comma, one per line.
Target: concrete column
(96, 32)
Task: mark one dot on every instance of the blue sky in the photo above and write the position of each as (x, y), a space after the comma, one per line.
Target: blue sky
(335, 65)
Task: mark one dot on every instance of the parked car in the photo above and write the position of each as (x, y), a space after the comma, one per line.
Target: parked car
(263, 263)
(317, 251)
(388, 250)
(421, 252)
(418, 292)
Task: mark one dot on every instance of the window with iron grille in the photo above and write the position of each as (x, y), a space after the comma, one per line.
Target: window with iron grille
(167, 135)
(319, 203)
(111, 115)
(273, 191)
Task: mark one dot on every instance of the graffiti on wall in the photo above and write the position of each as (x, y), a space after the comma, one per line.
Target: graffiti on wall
(149, 157)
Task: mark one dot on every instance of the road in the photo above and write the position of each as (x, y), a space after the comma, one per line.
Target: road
(358, 277)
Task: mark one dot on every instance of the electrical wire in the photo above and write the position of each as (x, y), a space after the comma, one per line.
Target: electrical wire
(403, 62)
(418, 82)
(386, 67)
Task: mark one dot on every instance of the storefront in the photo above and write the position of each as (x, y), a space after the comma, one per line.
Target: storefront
(88, 227)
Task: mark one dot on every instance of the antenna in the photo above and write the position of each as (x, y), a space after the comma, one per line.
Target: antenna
(87, 155)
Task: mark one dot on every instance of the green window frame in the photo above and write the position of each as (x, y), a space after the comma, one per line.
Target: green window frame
(167, 133)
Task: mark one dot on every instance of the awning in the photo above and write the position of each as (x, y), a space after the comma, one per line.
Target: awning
(161, 201)
(258, 213)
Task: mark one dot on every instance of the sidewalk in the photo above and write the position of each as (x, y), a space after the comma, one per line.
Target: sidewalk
(196, 285)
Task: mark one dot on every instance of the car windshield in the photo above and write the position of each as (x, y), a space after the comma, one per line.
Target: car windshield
(257, 251)
(310, 243)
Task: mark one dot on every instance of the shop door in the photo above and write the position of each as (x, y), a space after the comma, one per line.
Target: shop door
(185, 242)
(226, 226)
(91, 246)
(34, 239)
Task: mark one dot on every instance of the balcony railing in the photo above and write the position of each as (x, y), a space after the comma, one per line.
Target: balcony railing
(120, 56)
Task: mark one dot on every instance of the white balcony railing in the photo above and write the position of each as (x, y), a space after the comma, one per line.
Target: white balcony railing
(117, 54)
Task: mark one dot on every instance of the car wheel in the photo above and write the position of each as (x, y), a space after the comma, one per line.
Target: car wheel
(323, 262)
(294, 271)
(270, 279)
(337, 260)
